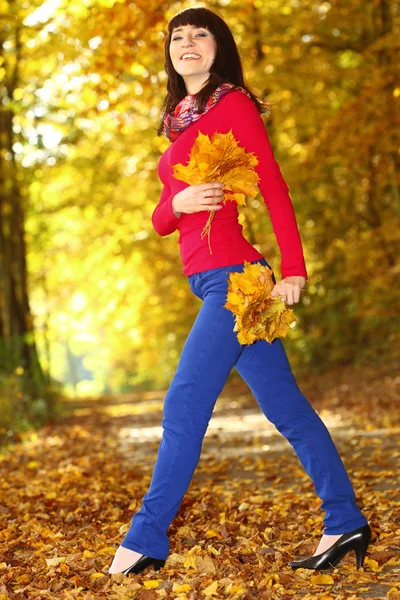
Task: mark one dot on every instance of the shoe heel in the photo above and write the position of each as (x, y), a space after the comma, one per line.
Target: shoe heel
(360, 548)
(158, 564)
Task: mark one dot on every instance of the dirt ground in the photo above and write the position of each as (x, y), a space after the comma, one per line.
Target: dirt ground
(68, 493)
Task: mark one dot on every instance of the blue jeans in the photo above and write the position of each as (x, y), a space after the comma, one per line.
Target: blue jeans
(208, 355)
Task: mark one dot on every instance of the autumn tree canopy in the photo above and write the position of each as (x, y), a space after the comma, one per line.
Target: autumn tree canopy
(104, 299)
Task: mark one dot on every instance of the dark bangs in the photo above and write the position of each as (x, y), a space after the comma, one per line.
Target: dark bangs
(191, 16)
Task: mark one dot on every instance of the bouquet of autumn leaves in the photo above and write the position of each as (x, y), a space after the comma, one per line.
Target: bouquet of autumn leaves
(220, 159)
(258, 314)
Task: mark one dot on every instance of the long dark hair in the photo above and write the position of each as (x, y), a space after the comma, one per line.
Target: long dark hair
(226, 68)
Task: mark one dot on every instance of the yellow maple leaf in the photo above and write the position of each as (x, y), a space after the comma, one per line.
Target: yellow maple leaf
(372, 564)
(211, 589)
(190, 562)
(220, 159)
(322, 579)
(152, 583)
(258, 315)
(238, 589)
(181, 587)
(212, 533)
(54, 562)
(106, 550)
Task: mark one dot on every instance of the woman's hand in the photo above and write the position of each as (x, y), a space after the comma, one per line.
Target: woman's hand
(289, 288)
(195, 198)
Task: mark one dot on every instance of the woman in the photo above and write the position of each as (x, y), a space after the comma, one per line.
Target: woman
(206, 92)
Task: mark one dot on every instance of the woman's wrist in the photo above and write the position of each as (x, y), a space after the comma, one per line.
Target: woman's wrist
(176, 213)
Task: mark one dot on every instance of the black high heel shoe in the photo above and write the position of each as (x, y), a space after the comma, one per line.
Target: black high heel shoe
(356, 540)
(142, 563)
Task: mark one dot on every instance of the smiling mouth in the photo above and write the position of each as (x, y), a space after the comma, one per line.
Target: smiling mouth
(191, 58)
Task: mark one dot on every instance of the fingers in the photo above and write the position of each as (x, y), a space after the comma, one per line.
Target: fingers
(211, 194)
(214, 185)
(287, 292)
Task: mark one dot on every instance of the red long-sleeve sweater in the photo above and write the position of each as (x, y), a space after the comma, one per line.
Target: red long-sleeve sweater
(237, 112)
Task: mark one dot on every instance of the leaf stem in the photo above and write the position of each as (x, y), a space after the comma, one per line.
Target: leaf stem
(207, 229)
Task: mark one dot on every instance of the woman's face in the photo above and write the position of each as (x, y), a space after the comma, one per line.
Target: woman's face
(197, 40)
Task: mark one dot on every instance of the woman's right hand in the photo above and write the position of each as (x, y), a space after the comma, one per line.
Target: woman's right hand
(193, 198)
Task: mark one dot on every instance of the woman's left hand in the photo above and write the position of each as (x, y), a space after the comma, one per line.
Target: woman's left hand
(289, 288)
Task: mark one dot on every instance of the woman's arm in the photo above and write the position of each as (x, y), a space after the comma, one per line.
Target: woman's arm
(164, 219)
(241, 115)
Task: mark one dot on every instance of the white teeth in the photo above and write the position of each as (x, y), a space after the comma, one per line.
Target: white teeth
(190, 56)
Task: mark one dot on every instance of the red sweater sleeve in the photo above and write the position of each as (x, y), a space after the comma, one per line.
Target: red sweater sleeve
(163, 218)
(241, 115)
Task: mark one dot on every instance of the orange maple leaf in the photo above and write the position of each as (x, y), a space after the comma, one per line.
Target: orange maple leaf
(258, 315)
(220, 159)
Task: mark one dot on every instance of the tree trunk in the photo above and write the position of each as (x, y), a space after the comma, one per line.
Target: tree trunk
(17, 344)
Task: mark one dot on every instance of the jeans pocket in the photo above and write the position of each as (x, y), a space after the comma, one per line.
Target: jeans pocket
(194, 282)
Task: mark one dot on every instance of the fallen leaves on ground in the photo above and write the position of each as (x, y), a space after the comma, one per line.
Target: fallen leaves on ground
(69, 491)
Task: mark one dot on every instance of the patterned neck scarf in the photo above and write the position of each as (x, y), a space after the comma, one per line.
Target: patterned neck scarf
(186, 111)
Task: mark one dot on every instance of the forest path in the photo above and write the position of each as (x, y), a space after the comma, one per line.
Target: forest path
(68, 493)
